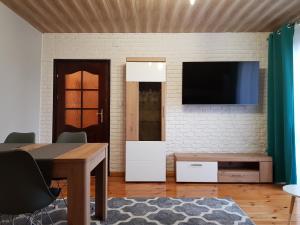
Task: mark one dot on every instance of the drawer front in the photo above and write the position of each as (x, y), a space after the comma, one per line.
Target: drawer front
(196, 171)
(238, 176)
(145, 171)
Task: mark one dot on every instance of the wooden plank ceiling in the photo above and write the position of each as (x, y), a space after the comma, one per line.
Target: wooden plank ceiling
(126, 16)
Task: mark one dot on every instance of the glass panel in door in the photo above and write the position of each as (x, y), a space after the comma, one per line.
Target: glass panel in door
(150, 111)
(82, 99)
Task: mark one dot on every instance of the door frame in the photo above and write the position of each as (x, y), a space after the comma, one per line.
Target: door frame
(55, 86)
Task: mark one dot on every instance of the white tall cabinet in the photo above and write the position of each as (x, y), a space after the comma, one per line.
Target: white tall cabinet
(145, 119)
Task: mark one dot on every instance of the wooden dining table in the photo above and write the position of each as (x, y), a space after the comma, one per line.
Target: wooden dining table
(74, 162)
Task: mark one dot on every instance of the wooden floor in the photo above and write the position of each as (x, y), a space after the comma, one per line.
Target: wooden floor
(266, 204)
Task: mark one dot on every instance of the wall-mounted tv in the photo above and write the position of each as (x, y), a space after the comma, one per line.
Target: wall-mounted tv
(220, 83)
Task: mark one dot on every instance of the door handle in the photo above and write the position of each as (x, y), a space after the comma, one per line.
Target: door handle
(101, 115)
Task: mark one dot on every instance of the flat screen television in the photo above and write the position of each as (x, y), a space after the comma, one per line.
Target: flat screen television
(220, 83)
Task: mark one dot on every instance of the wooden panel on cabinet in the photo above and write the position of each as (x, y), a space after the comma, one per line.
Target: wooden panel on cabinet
(266, 172)
(238, 176)
(223, 157)
(132, 111)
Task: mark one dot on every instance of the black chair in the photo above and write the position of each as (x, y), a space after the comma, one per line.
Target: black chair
(16, 137)
(72, 137)
(23, 189)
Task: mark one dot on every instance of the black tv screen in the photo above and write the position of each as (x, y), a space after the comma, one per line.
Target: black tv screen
(220, 83)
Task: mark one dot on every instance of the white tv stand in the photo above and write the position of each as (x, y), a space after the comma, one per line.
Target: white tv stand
(223, 167)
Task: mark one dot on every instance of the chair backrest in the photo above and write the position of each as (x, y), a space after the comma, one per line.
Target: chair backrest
(72, 137)
(22, 189)
(16, 137)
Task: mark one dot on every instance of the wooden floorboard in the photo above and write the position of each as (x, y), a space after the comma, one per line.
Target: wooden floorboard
(266, 204)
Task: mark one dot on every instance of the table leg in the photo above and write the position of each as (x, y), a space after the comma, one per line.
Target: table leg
(101, 190)
(79, 195)
(292, 208)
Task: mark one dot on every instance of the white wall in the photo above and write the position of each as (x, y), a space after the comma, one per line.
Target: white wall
(20, 69)
(190, 128)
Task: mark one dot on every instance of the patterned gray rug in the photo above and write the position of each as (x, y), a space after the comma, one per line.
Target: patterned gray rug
(160, 211)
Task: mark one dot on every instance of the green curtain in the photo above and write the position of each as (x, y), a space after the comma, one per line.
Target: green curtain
(281, 131)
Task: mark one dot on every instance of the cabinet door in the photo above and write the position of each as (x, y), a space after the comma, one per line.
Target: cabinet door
(146, 71)
(145, 161)
(196, 171)
(150, 111)
(145, 111)
(132, 111)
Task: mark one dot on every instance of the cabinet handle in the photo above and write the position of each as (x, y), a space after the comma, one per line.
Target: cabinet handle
(196, 164)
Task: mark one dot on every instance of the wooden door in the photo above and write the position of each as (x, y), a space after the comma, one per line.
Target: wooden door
(81, 98)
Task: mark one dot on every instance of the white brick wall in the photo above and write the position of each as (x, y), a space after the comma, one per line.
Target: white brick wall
(190, 128)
